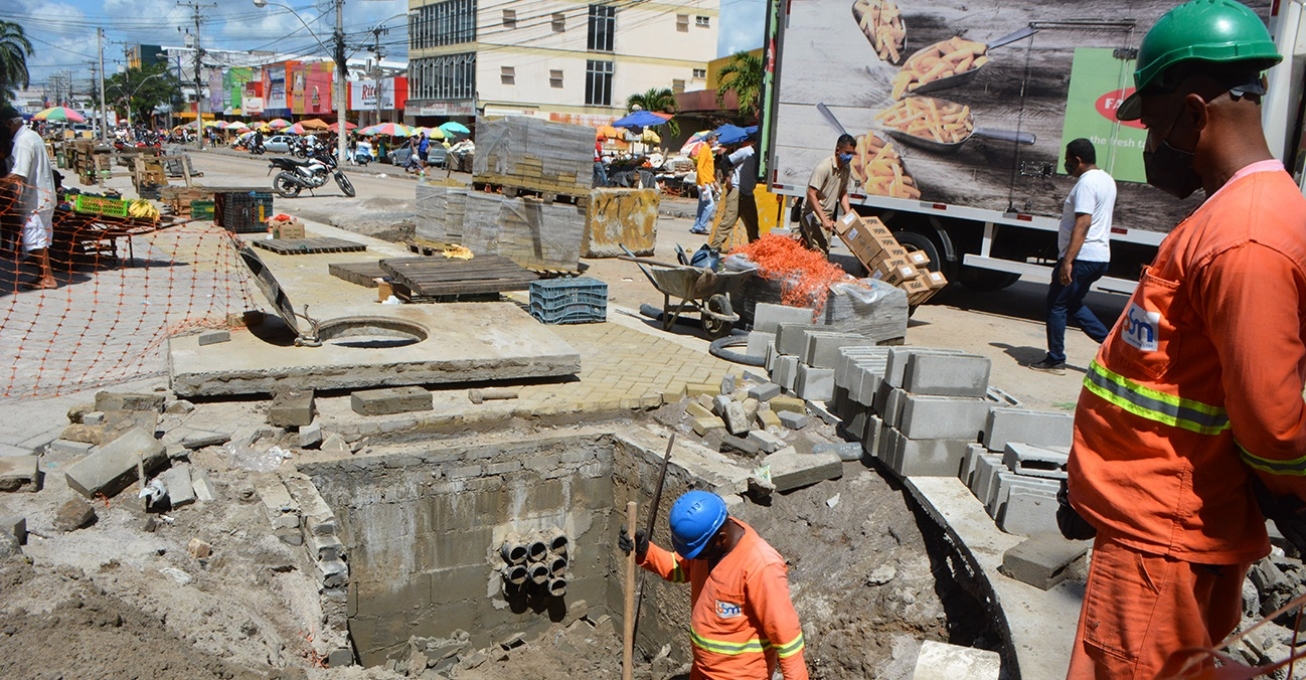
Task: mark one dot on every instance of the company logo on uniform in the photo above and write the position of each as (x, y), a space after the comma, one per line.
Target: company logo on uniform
(728, 610)
(1142, 328)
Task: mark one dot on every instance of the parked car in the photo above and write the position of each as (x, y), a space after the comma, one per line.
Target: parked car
(278, 143)
(435, 156)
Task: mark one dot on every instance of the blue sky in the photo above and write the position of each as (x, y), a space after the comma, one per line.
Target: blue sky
(63, 31)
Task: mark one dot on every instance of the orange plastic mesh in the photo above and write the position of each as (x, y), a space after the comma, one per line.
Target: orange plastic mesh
(804, 275)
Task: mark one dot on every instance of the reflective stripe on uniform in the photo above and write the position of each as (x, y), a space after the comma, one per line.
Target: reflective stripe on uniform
(1155, 405)
(753, 646)
(786, 651)
(1296, 466)
(678, 575)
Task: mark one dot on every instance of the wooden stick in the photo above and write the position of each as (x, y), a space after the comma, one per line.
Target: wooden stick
(628, 636)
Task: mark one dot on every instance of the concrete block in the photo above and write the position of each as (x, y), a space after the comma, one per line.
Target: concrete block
(768, 317)
(1001, 397)
(728, 383)
(785, 371)
(326, 547)
(19, 473)
(948, 375)
(1042, 561)
(69, 448)
(942, 661)
(764, 392)
(93, 418)
(704, 425)
(871, 442)
(1006, 481)
(823, 348)
(791, 470)
(112, 468)
(791, 338)
(984, 480)
(814, 384)
(214, 337)
(854, 425)
(730, 443)
(758, 342)
(789, 404)
(896, 363)
(933, 417)
(928, 457)
(893, 405)
(310, 435)
(1029, 512)
(15, 526)
(880, 401)
(177, 480)
(737, 421)
(1040, 428)
(969, 461)
(198, 439)
(697, 410)
(126, 401)
(767, 442)
(391, 400)
(792, 419)
(291, 408)
(852, 354)
(888, 448)
(1036, 461)
(73, 515)
(865, 381)
(848, 451)
(771, 354)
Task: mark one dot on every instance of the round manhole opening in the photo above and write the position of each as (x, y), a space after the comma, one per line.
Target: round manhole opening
(371, 333)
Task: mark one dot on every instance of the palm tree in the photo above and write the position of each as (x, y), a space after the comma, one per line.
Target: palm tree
(14, 51)
(659, 100)
(743, 76)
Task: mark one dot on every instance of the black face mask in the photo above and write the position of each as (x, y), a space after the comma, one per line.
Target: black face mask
(1170, 169)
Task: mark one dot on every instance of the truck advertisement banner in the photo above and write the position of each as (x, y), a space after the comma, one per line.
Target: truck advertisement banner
(967, 102)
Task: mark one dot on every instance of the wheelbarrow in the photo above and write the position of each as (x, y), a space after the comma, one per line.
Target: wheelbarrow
(686, 288)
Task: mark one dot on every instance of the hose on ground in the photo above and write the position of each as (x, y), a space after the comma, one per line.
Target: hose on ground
(735, 339)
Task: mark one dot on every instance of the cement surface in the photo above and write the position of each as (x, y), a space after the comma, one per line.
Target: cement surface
(466, 342)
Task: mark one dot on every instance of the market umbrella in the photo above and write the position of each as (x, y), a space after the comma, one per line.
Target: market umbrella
(296, 129)
(335, 127)
(278, 123)
(730, 134)
(431, 133)
(639, 119)
(452, 128)
(392, 129)
(264, 127)
(314, 124)
(219, 124)
(237, 125)
(609, 132)
(60, 113)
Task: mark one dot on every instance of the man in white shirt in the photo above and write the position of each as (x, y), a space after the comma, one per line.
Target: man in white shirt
(1084, 251)
(735, 197)
(32, 180)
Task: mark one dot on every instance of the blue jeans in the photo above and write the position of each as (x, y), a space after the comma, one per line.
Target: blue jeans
(1068, 301)
(706, 209)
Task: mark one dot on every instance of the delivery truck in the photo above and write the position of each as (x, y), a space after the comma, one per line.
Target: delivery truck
(962, 110)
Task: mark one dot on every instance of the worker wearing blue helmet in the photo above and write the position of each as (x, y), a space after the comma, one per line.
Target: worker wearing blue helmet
(742, 622)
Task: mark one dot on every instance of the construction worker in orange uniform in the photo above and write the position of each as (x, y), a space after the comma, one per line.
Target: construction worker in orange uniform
(1192, 411)
(742, 624)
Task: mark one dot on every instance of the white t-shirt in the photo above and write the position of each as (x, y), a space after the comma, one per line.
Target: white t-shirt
(737, 159)
(29, 160)
(1095, 195)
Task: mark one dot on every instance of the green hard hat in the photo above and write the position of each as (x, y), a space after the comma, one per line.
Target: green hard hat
(1219, 31)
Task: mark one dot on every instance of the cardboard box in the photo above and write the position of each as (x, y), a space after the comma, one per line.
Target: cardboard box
(917, 289)
(936, 280)
(286, 229)
(918, 258)
(895, 271)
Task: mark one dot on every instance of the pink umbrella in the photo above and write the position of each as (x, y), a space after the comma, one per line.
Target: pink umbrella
(278, 123)
(295, 129)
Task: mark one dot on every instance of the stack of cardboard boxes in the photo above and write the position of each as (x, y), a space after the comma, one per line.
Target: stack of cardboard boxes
(885, 259)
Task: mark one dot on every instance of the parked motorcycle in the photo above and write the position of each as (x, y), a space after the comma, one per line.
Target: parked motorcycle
(256, 149)
(296, 175)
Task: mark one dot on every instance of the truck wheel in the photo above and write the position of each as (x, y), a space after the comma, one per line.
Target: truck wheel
(911, 240)
(979, 279)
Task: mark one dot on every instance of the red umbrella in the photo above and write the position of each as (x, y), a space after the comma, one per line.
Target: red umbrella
(335, 127)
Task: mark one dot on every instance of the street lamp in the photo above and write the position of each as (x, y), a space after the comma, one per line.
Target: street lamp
(342, 105)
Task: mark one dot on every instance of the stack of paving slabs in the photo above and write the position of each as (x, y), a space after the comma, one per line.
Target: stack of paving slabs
(440, 211)
(876, 248)
(530, 153)
(534, 233)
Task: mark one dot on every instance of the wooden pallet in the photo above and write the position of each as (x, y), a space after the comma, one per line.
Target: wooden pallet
(363, 274)
(309, 246)
(427, 279)
(546, 195)
(427, 248)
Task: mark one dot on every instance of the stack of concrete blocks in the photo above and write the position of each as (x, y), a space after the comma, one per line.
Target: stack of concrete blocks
(294, 505)
(1017, 469)
(440, 212)
(529, 231)
(531, 153)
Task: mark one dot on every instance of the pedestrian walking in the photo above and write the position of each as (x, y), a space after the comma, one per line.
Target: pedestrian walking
(735, 195)
(827, 193)
(742, 624)
(31, 182)
(705, 178)
(1083, 253)
(1192, 411)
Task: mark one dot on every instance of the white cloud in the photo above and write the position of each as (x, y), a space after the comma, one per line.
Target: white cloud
(743, 26)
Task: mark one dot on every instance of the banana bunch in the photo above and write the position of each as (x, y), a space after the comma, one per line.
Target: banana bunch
(143, 209)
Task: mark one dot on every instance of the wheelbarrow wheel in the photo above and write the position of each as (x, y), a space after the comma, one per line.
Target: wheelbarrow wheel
(716, 328)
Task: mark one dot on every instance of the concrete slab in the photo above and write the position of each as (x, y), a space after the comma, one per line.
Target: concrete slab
(791, 470)
(1042, 561)
(942, 661)
(465, 342)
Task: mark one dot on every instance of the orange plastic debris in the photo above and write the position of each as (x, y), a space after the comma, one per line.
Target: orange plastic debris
(805, 275)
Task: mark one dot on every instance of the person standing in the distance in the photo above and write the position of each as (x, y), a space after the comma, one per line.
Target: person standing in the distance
(745, 160)
(600, 171)
(738, 194)
(705, 178)
(1191, 414)
(31, 179)
(1084, 252)
(827, 193)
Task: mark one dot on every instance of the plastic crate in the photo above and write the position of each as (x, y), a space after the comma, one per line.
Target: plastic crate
(201, 210)
(563, 301)
(242, 212)
(100, 205)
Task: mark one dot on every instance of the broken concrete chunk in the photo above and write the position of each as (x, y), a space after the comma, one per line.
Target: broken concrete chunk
(118, 422)
(93, 418)
(792, 420)
(77, 414)
(751, 407)
(391, 400)
(767, 442)
(73, 515)
(791, 470)
(85, 434)
(179, 407)
(310, 435)
(737, 421)
(199, 439)
(113, 467)
(69, 448)
(181, 491)
(19, 473)
(200, 484)
(126, 401)
(214, 337)
(199, 549)
(15, 526)
(942, 661)
(731, 443)
(291, 408)
(340, 657)
(334, 443)
(1042, 561)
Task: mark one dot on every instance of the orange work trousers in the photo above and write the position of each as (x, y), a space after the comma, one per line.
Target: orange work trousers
(1140, 608)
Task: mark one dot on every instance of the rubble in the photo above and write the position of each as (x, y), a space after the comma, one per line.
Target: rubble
(20, 473)
(113, 467)
(74, 515)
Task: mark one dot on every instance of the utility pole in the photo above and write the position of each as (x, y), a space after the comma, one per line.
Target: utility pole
(379, 54)
(104, 106)
(342, 70)
(199, 55)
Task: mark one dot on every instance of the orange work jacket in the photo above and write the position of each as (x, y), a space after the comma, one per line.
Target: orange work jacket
(1200, 382)
(742, 623)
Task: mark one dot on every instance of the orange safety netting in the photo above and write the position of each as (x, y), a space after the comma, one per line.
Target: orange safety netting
(804, 275)
(122, 286)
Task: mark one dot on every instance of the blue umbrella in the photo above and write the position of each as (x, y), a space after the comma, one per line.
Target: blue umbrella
(639, 119)
(730, 134)
(751, 130)
(452, 128)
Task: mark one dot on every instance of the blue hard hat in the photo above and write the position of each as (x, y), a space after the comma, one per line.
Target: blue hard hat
(695, 519)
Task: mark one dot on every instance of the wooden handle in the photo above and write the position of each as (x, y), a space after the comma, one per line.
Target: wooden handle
(628, 635)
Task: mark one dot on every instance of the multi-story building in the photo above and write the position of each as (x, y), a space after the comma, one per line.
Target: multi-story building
(569, 59)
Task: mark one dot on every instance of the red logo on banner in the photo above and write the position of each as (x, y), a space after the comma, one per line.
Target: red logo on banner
(1109, 102)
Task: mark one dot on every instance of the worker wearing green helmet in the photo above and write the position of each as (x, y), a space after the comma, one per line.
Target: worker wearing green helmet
(1190, 430)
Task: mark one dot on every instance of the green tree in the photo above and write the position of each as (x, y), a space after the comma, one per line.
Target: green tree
(743, 76)
(658, 100)
(14, 51)
(143, 90)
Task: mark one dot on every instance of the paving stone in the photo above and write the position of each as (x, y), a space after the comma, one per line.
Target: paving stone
(947, 375)
(20, 473)
(792, 470)
(697, 410)
(822, 349)
(391, 400)
(198, 439)
(729, 442)
(751, 407)
(177, 480)
(728, 384)
(1029, 512)
(1036, 461)
(768, 317)
(73, 515)
(814, 384)
(1042, 561)
(719, 405)
(759, 342)
(310, 435)
(771, 354)
(112, 467)
(15, 526)
(791, 338)
(939, 417)
(792, 419)
(784, 372)
(695, 390)
(768, 418)
(736, 420)
(214, 337)
(126, 401)
(294, 408)
(1040, 428)
(848, 451)
(704, 425)
(673, 393)
(767, 442)
(789, 404)
(942, 661)
(69, 448)
(764, 392)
